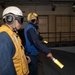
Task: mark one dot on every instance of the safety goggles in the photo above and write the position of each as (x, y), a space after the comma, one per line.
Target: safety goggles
(20, 19)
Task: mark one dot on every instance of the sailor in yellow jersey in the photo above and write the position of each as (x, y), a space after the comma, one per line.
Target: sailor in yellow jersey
(12, 57)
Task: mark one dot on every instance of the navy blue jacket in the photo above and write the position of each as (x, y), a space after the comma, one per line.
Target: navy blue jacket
(32, 39)
(7, 51)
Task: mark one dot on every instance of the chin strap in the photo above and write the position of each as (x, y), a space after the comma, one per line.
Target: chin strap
(15, 30)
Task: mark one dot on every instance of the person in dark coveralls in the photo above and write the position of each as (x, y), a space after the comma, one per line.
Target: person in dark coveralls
(12, 57)
(33, 43)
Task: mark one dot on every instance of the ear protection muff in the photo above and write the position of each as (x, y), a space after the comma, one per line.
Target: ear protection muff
(33, 20)
(9, 18)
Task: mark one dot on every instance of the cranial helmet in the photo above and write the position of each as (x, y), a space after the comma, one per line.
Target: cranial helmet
(11, 13)
(12, 9)
(31, 16)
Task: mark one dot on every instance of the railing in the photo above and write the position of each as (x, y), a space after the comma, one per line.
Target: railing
(59, 37)
(55, 38)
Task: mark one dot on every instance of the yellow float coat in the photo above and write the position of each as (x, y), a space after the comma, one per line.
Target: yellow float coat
(19, 58)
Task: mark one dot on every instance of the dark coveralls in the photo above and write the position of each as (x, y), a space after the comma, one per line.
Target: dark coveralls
(33, 46)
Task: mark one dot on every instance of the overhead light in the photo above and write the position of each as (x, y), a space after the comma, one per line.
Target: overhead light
(73, 6)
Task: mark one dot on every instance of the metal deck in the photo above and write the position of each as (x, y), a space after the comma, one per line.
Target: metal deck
(47, 66)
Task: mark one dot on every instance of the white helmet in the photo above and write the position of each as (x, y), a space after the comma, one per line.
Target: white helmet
(12, 9)
(31, 16)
